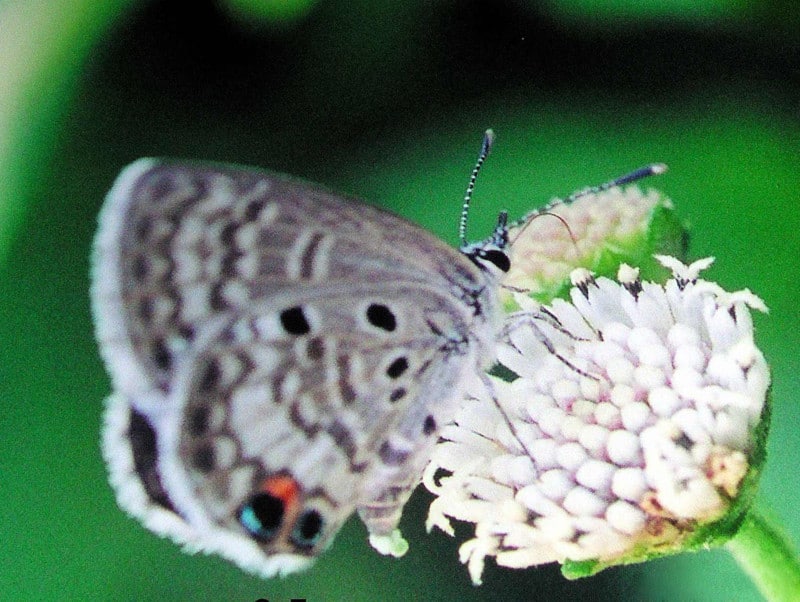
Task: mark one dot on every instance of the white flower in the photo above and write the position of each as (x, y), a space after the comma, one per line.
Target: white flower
(629, 425)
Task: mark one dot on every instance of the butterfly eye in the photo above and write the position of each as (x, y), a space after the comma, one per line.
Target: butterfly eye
(307, 529)
(262, 516)
(498, 258)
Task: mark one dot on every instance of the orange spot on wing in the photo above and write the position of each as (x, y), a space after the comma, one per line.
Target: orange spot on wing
(283, 487)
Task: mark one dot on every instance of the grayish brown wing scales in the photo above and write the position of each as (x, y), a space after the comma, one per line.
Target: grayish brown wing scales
(186, 252)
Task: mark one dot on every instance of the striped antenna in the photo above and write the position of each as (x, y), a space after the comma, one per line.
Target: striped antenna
(486, 146)
(653, 169)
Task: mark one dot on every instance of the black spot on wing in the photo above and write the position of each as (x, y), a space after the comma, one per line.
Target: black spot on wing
(143, 442)
(397, 367)
(381, 317)
(294, 321)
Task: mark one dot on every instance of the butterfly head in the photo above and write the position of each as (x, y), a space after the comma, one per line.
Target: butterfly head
(491, 255)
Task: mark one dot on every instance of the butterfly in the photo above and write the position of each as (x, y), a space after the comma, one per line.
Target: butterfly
(281, 356)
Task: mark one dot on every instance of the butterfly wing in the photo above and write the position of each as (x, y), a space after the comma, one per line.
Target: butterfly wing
(181, 243)
(280, 355)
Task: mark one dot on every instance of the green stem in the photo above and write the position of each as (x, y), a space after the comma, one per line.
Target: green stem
(763, 551)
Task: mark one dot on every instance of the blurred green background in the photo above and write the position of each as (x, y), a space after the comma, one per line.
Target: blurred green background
(388, 101)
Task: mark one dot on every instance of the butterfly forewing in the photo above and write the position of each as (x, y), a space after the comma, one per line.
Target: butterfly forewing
(183, 243)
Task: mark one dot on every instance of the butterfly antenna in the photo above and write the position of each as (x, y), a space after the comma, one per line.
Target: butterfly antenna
(653, 169)
(486, 146)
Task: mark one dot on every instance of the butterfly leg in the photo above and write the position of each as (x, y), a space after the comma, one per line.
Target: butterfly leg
(531, 319)
(509, 421)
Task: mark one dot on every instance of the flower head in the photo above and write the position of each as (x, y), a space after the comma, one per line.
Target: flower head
(631, 426)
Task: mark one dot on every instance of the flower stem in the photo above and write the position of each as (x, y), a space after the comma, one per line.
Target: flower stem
(766, 555)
